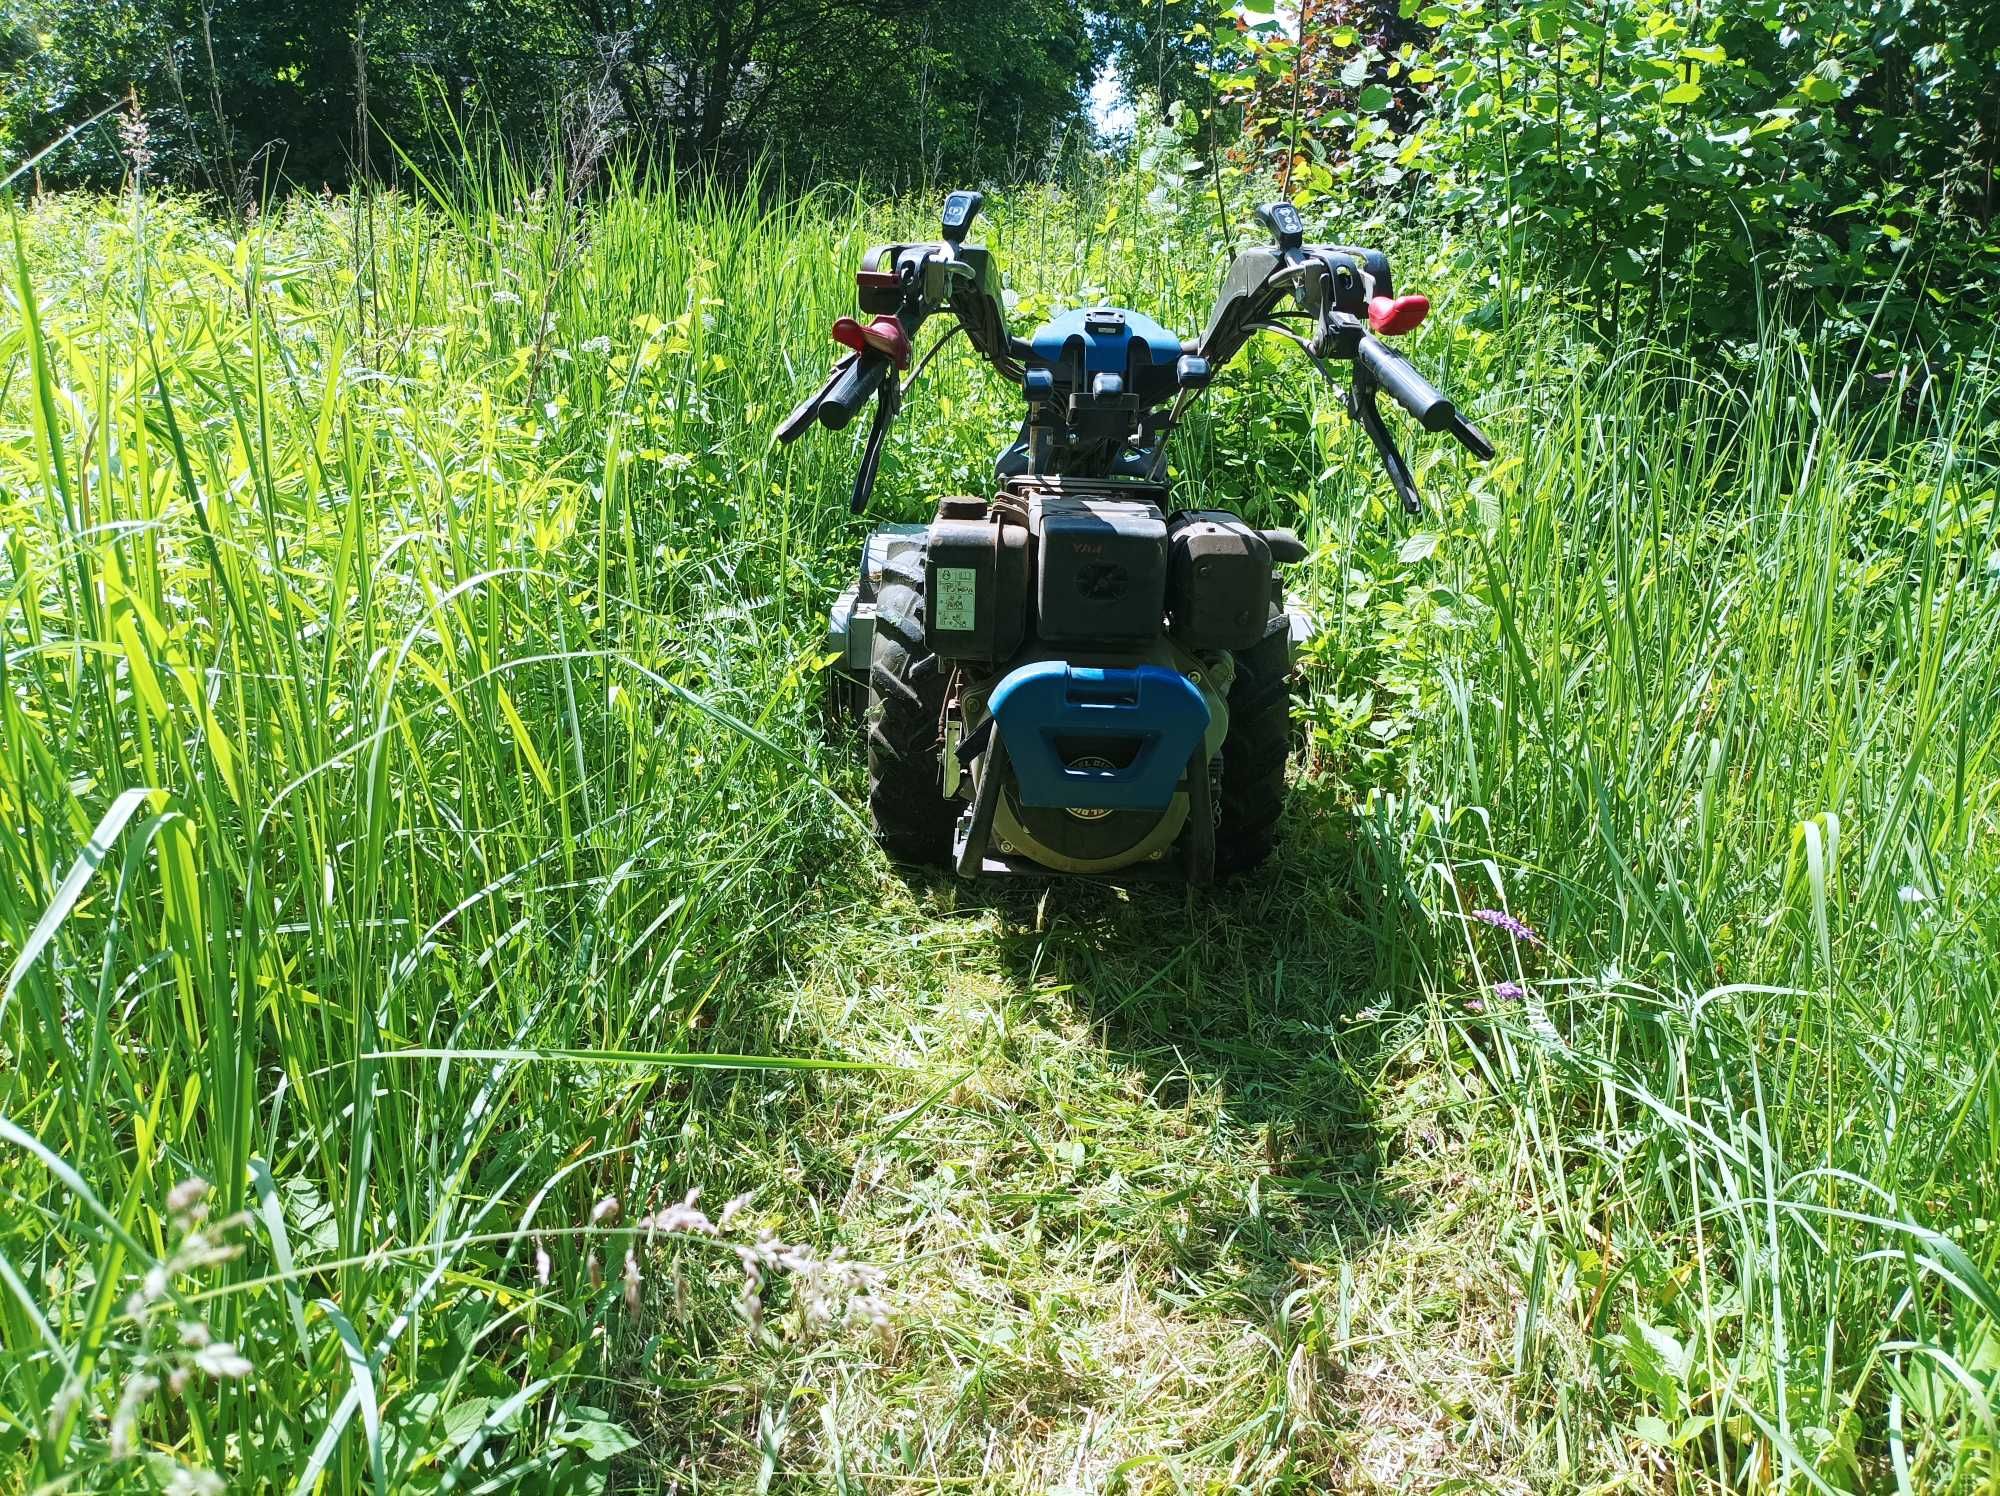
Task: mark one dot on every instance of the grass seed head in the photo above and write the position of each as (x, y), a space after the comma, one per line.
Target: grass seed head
(221, 1359)
(125, 1422)
(187, 1199)
(135, 136)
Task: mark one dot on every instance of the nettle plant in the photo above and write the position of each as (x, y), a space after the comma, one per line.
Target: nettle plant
(1837, 152)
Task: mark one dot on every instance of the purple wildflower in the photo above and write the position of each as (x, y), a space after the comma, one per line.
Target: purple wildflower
(1500, 919)
(1509, 992)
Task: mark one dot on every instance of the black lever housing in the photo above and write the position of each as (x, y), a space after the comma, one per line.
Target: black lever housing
(959, 211)
(1282, 219)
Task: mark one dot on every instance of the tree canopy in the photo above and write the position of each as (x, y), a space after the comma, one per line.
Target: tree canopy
(308, 91)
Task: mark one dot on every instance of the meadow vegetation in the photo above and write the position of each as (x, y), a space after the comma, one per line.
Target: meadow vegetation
(429, 892)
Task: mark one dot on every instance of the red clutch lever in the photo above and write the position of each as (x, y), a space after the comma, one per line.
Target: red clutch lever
(884, 335)
(1403, 314)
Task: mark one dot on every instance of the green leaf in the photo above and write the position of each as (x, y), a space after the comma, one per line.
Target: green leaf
(462, 1419)
(1684, 93)
(1416, 548)
(1627, 264)
(595, 1436)
(1819, 88)
(1653, 1431)
(1375, 98)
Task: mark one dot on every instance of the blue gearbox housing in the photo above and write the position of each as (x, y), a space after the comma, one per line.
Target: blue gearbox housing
(1079, 346)
(1096, 381)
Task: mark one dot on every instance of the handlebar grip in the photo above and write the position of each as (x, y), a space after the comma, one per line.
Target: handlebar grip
(1413, 392)
(852, 390)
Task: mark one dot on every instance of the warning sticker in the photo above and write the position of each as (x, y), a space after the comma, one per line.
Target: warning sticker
(955, 596)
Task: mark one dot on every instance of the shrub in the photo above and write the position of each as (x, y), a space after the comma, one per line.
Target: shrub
(1837, 151)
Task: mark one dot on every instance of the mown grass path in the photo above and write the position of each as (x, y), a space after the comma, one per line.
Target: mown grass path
(1168, 1197)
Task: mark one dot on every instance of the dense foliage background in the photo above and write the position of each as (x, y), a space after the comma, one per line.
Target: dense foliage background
(282, 91)
(1832, 154)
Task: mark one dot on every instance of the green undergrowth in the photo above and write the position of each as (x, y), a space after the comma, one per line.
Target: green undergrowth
(426, 862)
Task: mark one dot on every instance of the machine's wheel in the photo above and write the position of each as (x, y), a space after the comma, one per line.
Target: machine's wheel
(1254, 753)
(906, 690)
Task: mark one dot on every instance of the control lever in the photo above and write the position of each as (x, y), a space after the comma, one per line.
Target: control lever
(959, 210)
(1288, 229)
(1471, 437)
(888, 400)
(1361, 405)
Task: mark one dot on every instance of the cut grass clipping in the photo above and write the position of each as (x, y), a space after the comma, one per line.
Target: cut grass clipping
(428, 894)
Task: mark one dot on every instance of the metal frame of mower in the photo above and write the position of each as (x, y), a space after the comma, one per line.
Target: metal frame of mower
(1074, 676)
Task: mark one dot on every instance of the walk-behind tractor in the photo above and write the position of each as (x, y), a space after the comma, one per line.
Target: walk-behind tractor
(1074, 676)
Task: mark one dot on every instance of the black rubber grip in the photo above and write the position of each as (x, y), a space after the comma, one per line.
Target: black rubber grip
(851, 391)
(1472, 439)
(1412, 391)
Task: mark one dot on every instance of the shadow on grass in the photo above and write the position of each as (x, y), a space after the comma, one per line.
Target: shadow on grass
(1256, 993)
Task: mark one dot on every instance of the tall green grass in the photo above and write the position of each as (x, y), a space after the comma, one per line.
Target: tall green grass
(1720, 721)
(1698, 681)
(384, 678)
(412, 774)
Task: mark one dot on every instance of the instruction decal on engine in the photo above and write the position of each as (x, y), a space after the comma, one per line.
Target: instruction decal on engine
(957, 597)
